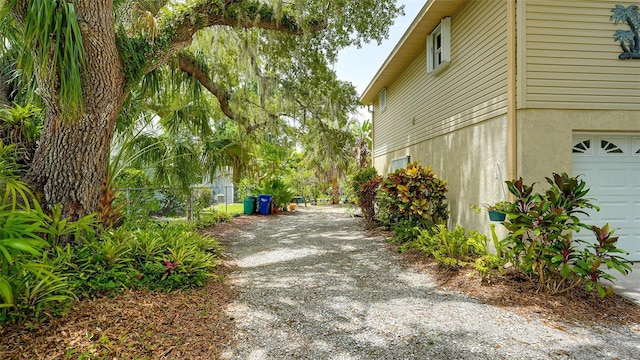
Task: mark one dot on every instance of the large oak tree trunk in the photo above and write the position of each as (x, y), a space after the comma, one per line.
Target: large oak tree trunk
(70, 164)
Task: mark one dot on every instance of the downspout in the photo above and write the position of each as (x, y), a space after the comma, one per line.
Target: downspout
(512, 111)
(373, 146)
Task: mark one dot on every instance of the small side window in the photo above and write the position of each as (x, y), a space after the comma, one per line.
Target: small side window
(382, 100)
(400, 163)
(439, 47)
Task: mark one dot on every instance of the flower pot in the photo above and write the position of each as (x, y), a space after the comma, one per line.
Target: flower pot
(496, 216)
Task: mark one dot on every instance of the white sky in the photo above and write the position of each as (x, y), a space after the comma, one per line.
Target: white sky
(359, 66)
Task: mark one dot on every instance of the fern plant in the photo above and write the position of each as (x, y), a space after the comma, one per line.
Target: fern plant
(451, 248)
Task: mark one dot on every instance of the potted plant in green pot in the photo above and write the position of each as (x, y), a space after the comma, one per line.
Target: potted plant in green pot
(498, 211)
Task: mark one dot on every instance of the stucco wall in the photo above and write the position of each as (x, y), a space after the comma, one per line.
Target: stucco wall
(473, 161)
(545, 137)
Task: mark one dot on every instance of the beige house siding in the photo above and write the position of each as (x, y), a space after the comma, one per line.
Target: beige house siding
(471, 90)
(569, 60)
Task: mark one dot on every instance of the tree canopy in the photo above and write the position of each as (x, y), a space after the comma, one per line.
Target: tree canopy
(262, 64)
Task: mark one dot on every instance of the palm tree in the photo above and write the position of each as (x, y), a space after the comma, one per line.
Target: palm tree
(363, 143)
(329, 150)
(631, 16)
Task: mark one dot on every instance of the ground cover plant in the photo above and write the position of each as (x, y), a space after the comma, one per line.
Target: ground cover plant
(47, 261)
(456, 248)
(543, 241)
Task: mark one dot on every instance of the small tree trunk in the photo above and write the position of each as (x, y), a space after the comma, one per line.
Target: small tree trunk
(190, 206)
(335, 190)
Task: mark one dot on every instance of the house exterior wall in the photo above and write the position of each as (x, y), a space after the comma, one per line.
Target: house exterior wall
(568, 58)
(454, 121)
(569, 80)
(543, 152)
(472, 89)
(473, 162)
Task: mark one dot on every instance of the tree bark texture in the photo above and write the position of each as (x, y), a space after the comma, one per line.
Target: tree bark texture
(70, 164)
(335, 190)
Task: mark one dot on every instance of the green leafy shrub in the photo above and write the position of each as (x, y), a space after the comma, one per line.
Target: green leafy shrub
(57, 230)
(156, 256)
(280, 192)
(202, 199)
(385, 218)
(541, 237)
(405, 231)
(451, 248)
(588, 261)
(487, 265)
(30, 286)
(415, 194)
(212, 217)
(182, 258)
(361, 176)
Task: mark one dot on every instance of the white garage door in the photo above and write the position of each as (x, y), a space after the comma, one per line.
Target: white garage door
(610, 164)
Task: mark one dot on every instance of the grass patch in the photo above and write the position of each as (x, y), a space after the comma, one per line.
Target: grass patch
(229, 208)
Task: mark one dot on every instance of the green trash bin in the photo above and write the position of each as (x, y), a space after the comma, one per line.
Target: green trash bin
(249, 205)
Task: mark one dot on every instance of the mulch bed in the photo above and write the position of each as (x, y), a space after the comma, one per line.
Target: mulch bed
(513, 291)
(138, 324)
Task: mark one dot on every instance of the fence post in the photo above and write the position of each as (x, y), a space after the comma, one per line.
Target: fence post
(128, 203)
(190, 205)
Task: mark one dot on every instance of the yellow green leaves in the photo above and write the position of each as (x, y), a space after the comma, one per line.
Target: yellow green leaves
(416, 194)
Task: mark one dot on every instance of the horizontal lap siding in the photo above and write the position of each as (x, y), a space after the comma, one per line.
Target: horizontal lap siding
(572, 60)
(472, 89)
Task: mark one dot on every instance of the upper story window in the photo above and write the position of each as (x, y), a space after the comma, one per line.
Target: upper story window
(382, 100)
(439, 47)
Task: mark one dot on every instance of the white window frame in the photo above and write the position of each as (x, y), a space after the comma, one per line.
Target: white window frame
(400, 163)
(382, 100)
(438, 58)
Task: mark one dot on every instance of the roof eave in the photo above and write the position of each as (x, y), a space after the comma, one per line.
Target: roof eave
(410, 45)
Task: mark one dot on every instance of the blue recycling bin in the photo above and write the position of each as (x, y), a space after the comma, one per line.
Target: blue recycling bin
(264, 203)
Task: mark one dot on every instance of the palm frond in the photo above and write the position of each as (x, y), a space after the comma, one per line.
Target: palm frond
(51, 30)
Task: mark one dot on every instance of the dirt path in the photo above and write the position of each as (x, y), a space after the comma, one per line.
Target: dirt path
(313, 286)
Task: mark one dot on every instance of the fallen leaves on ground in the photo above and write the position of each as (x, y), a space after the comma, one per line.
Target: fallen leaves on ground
(138, 324)
(515, 292)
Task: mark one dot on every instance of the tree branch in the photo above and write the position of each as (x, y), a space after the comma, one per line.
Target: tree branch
(180, 26)
(189, 66)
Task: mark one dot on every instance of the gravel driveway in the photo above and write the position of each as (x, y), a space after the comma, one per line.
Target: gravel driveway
(312, 285)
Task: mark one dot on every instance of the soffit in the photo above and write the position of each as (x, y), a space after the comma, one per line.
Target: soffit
(410, 45)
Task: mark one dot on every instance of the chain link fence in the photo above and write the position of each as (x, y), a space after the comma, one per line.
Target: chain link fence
(166, 201)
